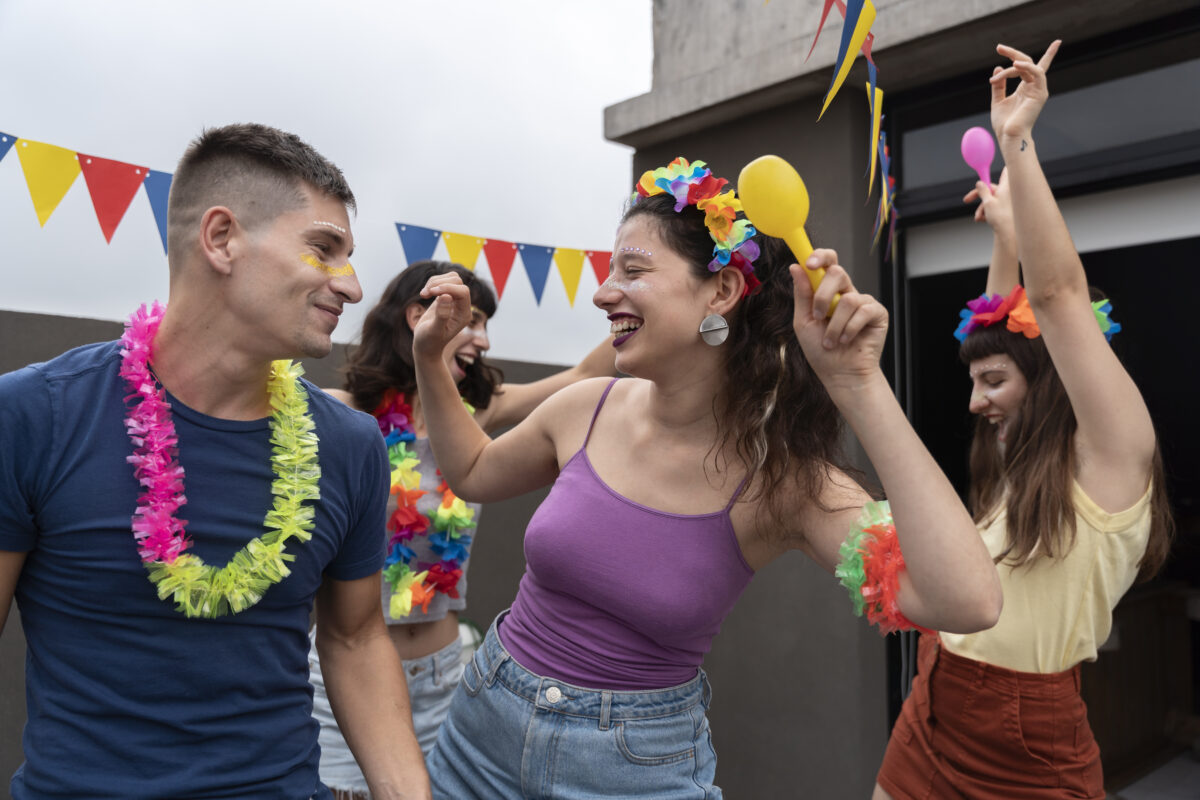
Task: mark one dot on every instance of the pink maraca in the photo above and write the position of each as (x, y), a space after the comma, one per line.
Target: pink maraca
(978, 149)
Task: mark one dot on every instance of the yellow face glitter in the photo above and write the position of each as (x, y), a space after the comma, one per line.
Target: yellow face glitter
(333, 272)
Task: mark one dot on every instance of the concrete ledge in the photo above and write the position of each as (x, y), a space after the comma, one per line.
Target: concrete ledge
(916, 41)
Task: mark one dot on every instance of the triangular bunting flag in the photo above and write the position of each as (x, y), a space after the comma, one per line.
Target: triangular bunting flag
(860, 15)
(875, 100)
(500, 255)
(600, 263)
(570, 266)
(6, 141)
(112, 185)
(418, 242)
(536, 259)
(49, 172)
(463, 248)
(158, 189)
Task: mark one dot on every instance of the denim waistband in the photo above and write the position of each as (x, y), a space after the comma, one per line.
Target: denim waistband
(556, 696)
(1028, 684)
(439, 662)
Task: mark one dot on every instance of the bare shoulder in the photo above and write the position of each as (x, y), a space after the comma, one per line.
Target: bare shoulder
(567, 413)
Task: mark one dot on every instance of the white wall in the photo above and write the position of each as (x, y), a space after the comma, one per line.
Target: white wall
(472, 116)
(1149, 212)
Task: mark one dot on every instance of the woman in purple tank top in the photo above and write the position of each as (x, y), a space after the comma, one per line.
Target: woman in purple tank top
(671, 488)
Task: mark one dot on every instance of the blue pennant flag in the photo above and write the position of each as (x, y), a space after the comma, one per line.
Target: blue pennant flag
(536, 259)
(418, 242)
(158, 188)
(6, 141)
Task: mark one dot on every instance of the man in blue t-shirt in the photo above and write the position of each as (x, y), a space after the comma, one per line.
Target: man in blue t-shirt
(166, 611)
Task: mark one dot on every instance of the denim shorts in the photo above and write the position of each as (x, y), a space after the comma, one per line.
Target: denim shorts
(431, 683)
(513, 734)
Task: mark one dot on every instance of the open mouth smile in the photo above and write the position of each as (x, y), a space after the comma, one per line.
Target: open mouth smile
(623, 326)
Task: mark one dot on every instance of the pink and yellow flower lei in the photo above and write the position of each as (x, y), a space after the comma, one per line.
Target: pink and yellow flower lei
(198, 589)
(694, 184)
(450, 519)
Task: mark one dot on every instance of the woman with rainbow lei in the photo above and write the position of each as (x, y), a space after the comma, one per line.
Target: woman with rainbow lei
(1067, 490)
(429, 530)
(670, 489)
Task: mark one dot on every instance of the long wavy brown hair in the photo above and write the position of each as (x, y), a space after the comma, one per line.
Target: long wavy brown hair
(383, 358)
(1033, 474)
(772, 411)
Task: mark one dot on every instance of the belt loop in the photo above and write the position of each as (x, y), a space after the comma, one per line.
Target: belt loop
(705, 690)
(605, 709)
(501, 655)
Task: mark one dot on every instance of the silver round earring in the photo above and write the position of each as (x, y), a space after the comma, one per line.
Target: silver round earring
(714, 330)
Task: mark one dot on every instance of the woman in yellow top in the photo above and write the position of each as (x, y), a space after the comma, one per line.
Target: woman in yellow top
(1066, 487)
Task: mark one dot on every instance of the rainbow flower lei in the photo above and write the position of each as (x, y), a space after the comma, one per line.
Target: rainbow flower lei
(694, 184)
(450, 519)
(870, 569)
(989, 309)
(199, 589)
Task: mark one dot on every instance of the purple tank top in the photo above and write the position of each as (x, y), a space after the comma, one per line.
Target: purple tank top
(617, 595)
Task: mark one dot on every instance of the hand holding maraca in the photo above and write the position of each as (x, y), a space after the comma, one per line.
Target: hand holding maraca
(775, 200)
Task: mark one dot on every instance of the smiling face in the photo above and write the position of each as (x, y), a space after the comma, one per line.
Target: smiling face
(653, 301)
(468, 346)
(298, 278)
(997, 391)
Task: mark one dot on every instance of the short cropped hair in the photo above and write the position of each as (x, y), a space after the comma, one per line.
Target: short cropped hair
(257, 171)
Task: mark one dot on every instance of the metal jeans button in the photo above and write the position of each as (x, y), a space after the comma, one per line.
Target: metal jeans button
(553, 694)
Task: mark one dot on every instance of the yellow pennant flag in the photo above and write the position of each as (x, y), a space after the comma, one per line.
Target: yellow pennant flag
(861, 28)
(463, 248)
(876, 104)
(49, 171)
(570, 266)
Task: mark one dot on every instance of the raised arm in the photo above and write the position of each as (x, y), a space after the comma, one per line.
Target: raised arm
(951, 583)
(477, 468)
(365, 682)
(995, 208)
(514, 401)
(1115, 439)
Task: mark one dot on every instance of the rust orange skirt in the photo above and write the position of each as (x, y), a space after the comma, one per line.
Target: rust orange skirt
(980, 732)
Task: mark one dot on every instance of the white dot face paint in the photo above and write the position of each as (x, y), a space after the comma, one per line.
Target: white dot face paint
(336, 227)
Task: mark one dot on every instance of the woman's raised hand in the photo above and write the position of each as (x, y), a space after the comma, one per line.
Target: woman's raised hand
(1013, 114)
(448, 314)
(848, 345)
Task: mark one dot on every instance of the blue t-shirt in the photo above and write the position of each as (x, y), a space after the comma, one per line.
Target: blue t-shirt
(128, 698)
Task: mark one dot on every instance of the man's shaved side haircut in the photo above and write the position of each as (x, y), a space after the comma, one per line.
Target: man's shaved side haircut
(256, 171)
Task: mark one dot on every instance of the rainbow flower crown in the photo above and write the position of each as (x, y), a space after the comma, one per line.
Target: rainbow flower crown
(694, 184)
(989, 309)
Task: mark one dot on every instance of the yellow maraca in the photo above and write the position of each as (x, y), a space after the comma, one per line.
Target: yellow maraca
(776, 203)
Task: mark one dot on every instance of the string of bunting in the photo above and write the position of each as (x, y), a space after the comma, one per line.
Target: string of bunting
(859, 15)
(50, 171)
(464, 248)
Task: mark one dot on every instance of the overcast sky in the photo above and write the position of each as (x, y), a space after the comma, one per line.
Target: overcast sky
(475, 116)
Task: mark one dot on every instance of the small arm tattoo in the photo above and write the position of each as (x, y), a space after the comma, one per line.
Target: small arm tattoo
(1024, 144)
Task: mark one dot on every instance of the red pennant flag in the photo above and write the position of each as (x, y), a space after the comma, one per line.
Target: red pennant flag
(600, 263)
(500, 255)
(112, 185)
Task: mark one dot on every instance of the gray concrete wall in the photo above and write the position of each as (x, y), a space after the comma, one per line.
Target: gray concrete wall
(717, 60)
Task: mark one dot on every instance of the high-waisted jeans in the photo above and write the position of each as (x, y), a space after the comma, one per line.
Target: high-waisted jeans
(513, 734)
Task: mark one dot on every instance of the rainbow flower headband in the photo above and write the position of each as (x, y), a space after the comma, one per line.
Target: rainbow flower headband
(693, 184)
(989, 309)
